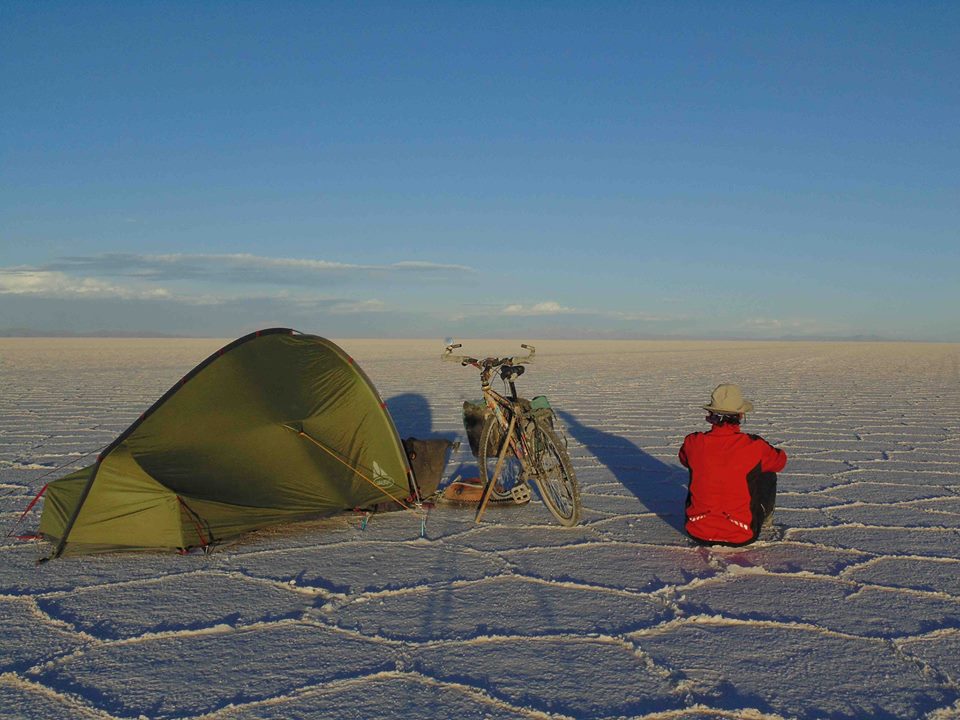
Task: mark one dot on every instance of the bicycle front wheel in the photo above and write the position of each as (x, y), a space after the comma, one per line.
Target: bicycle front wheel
(492, 439)
(555, 477)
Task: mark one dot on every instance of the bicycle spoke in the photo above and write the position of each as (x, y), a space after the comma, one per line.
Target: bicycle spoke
(492, 440)
(555, 477)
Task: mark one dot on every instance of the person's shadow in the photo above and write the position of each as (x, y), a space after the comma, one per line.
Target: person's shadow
(661, 488)
(414, 420)
(412, 417)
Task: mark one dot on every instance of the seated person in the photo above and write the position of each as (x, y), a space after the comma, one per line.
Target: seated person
(733, 475)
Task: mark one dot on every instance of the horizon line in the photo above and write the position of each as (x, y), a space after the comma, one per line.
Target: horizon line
(151, 335)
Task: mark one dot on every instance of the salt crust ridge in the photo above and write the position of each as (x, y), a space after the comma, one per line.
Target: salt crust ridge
(887, 450)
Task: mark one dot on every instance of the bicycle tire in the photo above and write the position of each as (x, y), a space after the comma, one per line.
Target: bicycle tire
(555, 478)
(492, 438)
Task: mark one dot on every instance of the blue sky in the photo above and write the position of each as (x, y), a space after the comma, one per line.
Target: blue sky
(512, 169)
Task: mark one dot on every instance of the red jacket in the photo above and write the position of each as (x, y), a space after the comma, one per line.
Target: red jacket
(726, 468)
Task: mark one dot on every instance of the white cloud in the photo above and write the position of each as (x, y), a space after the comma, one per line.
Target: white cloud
(551, 307)
(206, 279)
(46, 283)
(646, 317)
(548, 307)
(360, 306)
(429, 266)
(764, 323)
(247, 261)
(799, 327)
(235, 267)
(29, 282)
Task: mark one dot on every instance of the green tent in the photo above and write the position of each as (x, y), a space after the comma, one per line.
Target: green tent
(276, 426)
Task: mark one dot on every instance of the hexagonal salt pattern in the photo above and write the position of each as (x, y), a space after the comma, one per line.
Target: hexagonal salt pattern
(847, 607)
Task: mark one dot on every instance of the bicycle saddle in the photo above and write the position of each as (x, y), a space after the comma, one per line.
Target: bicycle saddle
(511, 372)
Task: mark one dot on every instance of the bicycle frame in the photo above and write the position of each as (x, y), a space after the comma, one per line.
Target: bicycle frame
(515, 440)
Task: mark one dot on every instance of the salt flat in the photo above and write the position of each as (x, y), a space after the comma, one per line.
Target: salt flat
(848, 607)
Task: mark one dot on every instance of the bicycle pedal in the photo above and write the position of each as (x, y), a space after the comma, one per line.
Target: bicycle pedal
(520, 494)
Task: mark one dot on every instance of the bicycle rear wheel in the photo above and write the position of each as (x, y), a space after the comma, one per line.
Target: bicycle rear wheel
(555, 478)
(492, 439)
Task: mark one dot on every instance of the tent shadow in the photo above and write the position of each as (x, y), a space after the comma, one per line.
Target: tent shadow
(661, 488)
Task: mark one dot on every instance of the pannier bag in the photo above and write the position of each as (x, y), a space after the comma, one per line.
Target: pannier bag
(476, 411)
(540, 407)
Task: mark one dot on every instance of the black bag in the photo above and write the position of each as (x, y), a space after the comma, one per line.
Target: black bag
(474, 413)
(428, 460)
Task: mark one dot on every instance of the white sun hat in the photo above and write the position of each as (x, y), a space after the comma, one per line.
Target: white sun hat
(728, 400)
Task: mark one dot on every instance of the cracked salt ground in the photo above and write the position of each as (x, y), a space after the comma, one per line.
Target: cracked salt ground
(848, 607)
(181, 603)
(405, 694)
(601, 565)
(789, 557)
(903, 515)
(353, 567)
(465, 610)
(579, 677)
(938, 650)
(934, 542)
(911, 572)
(840, 605)
(191, 673)
(794, 671)
(29, 637)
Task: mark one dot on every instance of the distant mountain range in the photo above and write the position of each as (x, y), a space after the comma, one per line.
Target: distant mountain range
(30, 332)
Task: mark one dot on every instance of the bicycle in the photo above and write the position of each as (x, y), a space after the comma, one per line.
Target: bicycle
(518, 443)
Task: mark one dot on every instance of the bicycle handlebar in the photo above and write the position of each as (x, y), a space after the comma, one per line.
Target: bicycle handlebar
(490, 362)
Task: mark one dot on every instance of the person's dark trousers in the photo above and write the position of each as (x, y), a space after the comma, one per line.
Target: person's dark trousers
(763, 497)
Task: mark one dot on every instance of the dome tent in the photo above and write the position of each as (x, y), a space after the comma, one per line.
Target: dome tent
(276, 426)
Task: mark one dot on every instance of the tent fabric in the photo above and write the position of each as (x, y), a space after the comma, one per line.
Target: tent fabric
(276, 426)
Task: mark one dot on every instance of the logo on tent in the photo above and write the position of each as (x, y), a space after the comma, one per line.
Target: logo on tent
(380, 478)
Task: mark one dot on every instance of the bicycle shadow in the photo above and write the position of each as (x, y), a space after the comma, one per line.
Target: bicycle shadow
(661, 488)
(412, 416)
